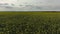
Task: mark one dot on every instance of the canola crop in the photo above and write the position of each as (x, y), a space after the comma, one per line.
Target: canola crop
(30, 24)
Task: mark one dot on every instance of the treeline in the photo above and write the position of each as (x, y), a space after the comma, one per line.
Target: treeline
(29, 24)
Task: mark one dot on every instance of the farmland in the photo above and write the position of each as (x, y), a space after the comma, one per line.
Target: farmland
(29, 22)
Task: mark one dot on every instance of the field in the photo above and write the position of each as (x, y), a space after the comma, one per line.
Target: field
(29, 22)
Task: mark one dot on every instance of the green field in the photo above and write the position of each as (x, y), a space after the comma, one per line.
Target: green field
(29, 22)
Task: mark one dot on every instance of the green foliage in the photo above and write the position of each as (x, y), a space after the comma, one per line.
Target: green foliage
(29, 24)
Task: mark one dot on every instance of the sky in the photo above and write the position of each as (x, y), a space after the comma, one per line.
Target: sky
(29, 5)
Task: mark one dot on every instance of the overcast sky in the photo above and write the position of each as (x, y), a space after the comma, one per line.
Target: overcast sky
(29, 5)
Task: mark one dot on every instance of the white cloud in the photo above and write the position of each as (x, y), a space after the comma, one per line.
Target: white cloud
(17, 5)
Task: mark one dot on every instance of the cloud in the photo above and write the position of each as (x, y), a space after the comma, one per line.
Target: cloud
(30, 5)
